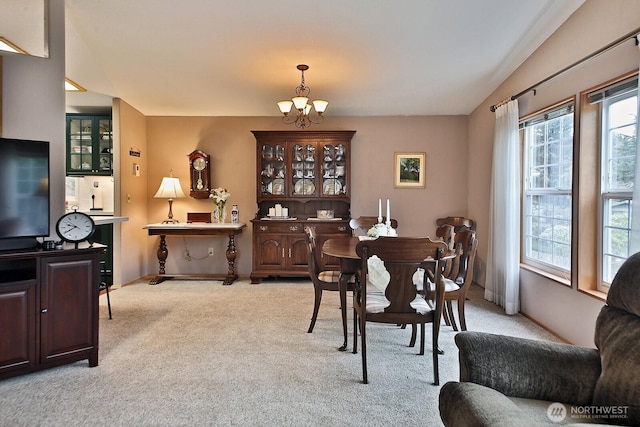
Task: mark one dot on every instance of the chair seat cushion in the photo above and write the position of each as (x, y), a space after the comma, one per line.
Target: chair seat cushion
(377, 302)
(418, 279)
(329, 276)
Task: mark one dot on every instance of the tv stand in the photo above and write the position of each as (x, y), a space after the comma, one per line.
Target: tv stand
(49, 308)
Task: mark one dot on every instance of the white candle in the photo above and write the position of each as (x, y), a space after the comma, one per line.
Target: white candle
(380, 209)
(388, 212)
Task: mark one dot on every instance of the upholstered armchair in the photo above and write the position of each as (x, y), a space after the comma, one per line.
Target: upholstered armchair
(508, 381)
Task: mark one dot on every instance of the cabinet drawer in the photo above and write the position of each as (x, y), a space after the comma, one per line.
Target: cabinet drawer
(332, 228)
(278, 227)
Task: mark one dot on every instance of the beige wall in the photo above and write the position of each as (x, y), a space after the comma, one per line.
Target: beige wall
(33, 103)
(131, 245)
(597, 23)
(232, 147)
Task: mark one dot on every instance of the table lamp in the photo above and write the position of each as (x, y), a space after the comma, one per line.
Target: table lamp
(170, 189)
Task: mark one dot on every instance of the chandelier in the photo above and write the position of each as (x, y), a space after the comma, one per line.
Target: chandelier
(302, 116)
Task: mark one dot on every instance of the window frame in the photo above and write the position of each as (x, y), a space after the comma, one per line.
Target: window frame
(557, 110)
(610, 94)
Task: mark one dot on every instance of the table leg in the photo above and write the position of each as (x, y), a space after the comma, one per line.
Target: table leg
(162, 254)
(231, 260)
(342, 284)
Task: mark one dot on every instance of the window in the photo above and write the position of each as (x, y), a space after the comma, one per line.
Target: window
(546, 196)
(619, 116)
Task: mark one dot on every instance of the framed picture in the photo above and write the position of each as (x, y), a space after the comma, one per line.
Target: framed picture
(409, 170)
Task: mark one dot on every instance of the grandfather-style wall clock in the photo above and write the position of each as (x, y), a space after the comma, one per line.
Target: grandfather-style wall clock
(200, 169)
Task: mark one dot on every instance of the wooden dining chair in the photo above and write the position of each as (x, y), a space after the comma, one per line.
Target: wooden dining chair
(386, 293)
(446, 233)
(323, 280)
(361, 225)
(458, 283)
(458, 222)
(459, 280)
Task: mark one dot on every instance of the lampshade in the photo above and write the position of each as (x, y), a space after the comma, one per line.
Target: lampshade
(285, 106)
(320, 105)
(300, 102)
(170, 189)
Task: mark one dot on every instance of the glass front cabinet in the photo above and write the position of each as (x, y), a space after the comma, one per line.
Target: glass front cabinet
(89, 145)
(298, 174)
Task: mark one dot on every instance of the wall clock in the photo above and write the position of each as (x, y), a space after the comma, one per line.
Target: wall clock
(75, 227)
(200, 168)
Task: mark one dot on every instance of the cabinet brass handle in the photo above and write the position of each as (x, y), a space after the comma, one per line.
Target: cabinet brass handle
(264, 228)
(44, 310)
(342, 228)
(289, 252)
(293, 228)
(282, 252)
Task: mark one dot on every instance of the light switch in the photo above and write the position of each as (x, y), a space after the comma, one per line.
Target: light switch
(136, 169)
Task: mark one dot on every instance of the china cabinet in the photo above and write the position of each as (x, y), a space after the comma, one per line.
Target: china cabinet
(48, 308)
(297, 174)
(89, 145)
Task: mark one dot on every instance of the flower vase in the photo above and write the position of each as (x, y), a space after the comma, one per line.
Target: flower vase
(220, 215)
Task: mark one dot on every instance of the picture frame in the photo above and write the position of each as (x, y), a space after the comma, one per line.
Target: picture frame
(409, 170)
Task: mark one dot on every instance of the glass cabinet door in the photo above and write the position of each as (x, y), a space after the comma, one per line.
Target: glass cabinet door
(273, 168)
(334, 170)
(105, 145)
(303, 170)
(80, 156)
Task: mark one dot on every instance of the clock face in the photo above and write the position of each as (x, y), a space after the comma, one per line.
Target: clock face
(199, 164)
(75, 227)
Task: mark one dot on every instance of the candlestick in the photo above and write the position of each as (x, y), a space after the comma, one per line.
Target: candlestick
(379, 211)
(388, 213)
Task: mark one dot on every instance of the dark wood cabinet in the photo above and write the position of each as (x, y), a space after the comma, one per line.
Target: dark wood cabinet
(48, 309)
(280, 247)
(18, 332)
(303, 172)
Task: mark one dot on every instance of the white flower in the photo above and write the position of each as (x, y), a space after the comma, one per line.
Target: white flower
(219, 196)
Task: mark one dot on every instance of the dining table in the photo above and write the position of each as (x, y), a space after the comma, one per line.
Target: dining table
(344, 248)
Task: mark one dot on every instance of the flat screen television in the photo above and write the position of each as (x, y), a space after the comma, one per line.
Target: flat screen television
(24, 193)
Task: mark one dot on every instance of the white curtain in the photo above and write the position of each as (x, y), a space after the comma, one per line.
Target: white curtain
(634, 244)
(502, 284)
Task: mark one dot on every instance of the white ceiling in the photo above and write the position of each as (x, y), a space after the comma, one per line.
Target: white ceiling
(237, 58)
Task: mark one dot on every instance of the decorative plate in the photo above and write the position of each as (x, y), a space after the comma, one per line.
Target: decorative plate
(304, 186)
(331, 187)
(278, 187)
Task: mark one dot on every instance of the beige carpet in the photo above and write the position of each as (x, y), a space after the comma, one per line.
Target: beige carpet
(196, 353)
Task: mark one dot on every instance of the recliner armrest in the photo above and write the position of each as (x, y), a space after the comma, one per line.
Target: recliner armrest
(468, 404)
(526, 368)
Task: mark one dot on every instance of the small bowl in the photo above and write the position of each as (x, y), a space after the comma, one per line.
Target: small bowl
(324, 214)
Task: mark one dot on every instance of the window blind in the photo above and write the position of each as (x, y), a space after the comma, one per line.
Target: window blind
(620, 88)
(559, 111)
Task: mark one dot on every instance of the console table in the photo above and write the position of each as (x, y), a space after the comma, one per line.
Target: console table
(201, 229)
